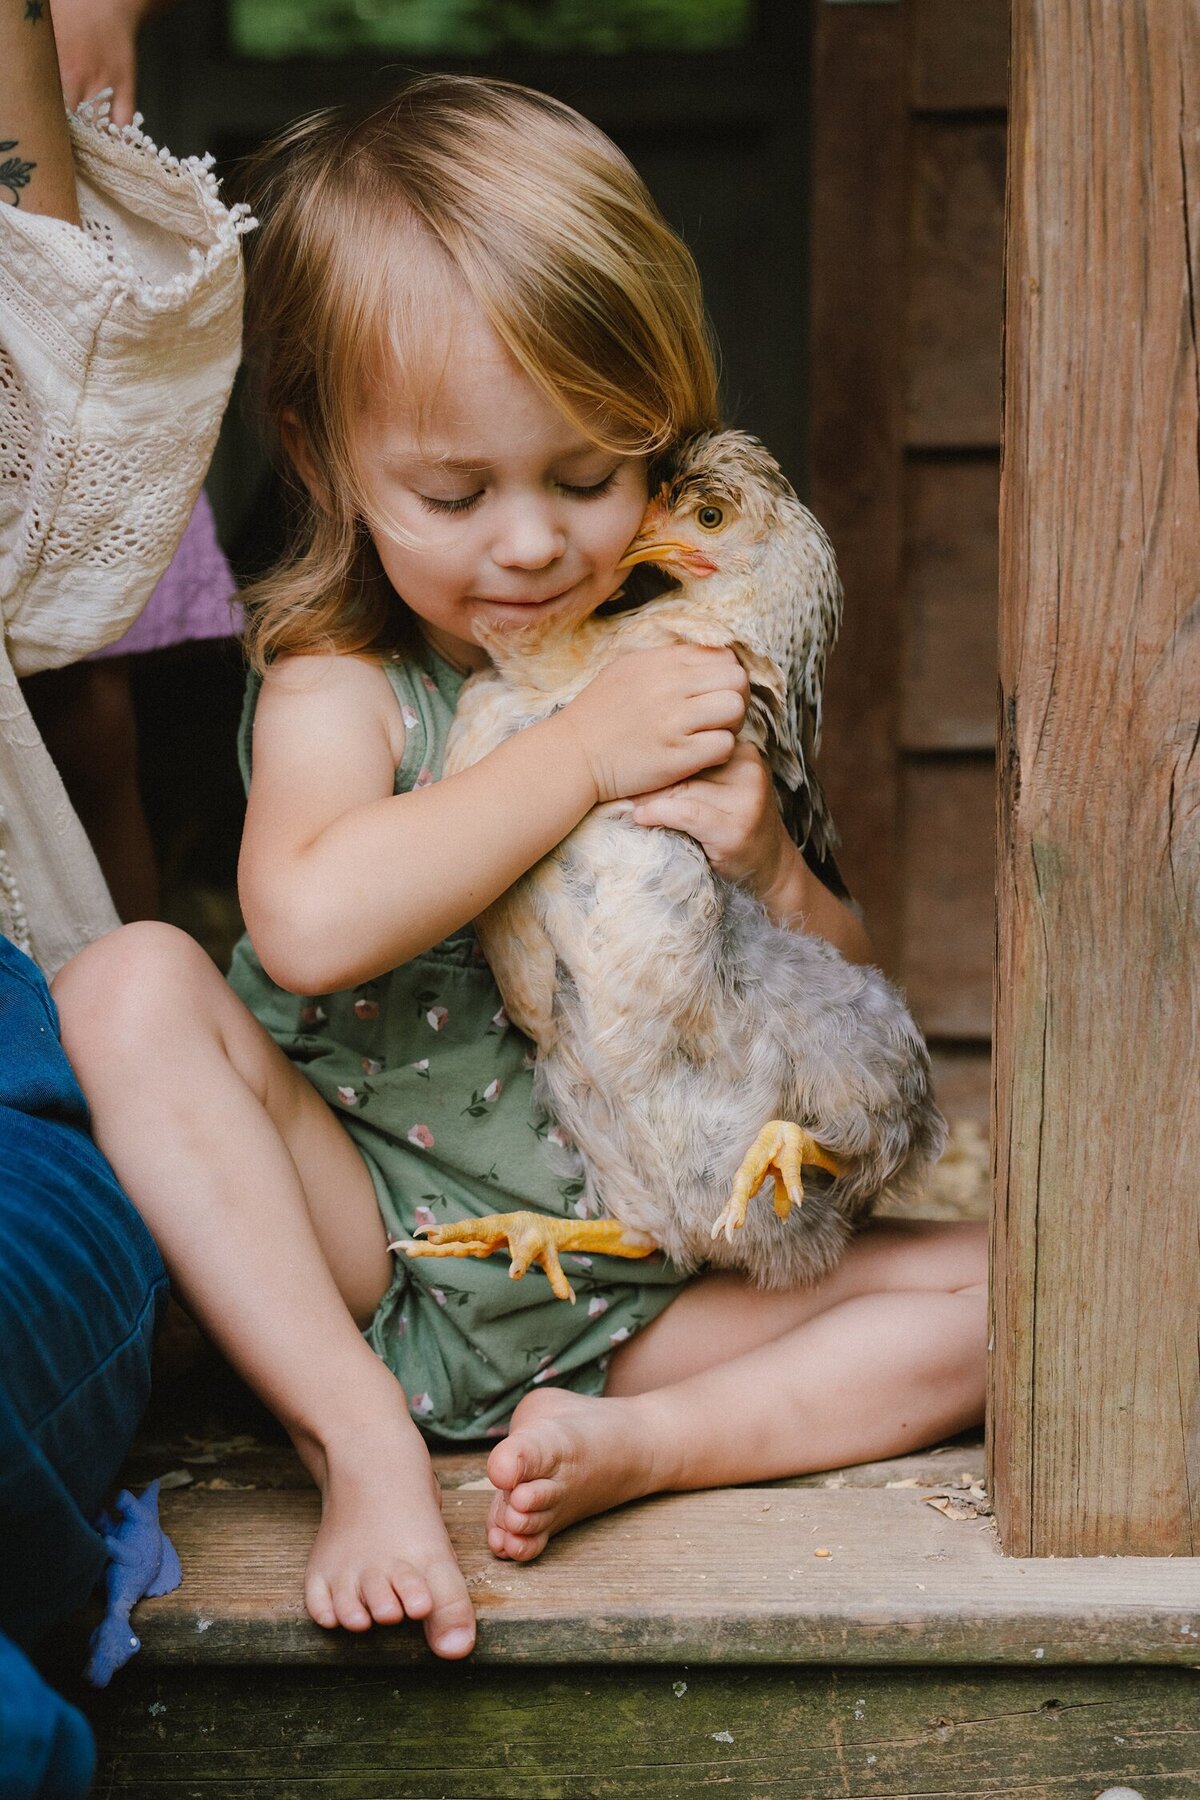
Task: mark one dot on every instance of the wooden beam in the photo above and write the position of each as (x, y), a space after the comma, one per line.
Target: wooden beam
(676, 1732)
(1095, 1398)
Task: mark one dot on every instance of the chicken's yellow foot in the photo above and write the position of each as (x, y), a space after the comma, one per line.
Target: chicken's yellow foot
(780, 1149)
(532, 1238)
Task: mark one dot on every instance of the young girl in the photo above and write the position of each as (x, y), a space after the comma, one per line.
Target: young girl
(472, 330)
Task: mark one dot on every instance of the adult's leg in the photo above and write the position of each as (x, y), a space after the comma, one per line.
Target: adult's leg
(734, 1385)
(83, 1286)
(85, 714)
(267, 1220)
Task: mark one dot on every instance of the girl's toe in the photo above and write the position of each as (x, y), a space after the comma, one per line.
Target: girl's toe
(450, 1627)
(535, 1496)
(525, 1524)
(319, 1601)
(524, 1549)
(381, 1600)
(414, 1591)
(352, 1615)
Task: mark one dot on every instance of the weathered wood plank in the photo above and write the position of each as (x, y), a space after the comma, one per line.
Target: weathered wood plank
(949, 864)
(246, 1464)
(1096, 1282)
(958, 55)
(726, 1576)
(956, 241)
(667, 1732)
(951, 588)
(859, 128)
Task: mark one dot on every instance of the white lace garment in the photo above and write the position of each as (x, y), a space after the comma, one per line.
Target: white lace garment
(118, 346)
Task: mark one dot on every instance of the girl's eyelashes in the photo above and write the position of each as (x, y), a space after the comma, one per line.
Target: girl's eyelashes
(590, 491)
(450, 506)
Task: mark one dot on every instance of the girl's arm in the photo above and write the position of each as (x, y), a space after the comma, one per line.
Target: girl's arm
(36, 172)
(342, 880)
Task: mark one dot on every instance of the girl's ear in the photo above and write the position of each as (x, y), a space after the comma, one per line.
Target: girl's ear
(296, 449)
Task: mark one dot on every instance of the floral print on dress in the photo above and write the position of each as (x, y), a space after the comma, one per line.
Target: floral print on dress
(460, 1324)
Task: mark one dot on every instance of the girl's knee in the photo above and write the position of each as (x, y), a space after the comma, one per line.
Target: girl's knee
(124, 986)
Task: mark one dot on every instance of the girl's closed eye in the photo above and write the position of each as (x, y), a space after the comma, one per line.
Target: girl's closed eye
(589, 490)
(461, 505)
(576, 490)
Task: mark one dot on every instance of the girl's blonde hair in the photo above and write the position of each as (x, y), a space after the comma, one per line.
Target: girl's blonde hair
(371, 221)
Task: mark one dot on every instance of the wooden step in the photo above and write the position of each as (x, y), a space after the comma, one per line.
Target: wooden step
(686, 1643)
(772, 1574)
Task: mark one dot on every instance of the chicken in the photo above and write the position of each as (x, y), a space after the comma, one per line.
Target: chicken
(692, 1049)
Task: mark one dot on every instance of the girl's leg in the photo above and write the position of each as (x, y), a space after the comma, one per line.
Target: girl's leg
(731, 1384)
(266, 1218)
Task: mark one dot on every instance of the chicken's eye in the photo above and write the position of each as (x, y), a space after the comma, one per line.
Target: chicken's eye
(710, 518)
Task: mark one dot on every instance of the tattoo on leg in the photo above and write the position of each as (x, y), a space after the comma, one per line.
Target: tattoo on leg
(34, 10)
(14, 171)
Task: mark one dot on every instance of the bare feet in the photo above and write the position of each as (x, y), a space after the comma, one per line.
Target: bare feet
(382, 1553)
(567, 1456)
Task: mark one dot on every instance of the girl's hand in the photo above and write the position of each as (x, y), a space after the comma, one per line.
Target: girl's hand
(733, 815)
(655, 717)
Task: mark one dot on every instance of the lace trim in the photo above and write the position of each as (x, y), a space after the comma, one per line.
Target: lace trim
(14, 923)
(228, 223)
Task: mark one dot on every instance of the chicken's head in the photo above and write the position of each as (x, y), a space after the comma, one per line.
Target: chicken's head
(722, 497)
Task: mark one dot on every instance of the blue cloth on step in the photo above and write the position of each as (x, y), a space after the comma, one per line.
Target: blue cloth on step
(144, 1561)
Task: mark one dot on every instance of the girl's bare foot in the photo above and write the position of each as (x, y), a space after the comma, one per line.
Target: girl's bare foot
(382, 1554)
(567, 1456)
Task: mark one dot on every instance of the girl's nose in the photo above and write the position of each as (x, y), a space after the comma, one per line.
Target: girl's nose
(529, 535)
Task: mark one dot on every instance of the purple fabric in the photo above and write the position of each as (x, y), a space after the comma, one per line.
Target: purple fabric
(193, 600)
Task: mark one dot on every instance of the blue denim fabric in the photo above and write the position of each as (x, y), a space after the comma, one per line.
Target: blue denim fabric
(47, 1751)
(81, 1288)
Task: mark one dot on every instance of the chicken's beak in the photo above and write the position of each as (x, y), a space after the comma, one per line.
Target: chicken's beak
(651, 545)
(657, 550)
(667, 553)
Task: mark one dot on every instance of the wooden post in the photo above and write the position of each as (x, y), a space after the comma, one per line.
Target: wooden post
(1095, 1389)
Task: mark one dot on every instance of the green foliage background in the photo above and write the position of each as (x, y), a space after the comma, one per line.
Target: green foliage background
(279, 28)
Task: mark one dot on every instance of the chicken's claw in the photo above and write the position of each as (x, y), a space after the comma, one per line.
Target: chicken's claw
(531, 1238)
(780, 1149)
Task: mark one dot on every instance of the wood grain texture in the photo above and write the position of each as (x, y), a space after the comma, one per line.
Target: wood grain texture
(958, 55)
(1096, 1282)
(725, 1576)
(949, 888)
(951, 588)
(956, 239)
(461, 1732)
(859, 130)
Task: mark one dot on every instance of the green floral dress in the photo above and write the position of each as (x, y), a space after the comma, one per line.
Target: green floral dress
(435, 1087)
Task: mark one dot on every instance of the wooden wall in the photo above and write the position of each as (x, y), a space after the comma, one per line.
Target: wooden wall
(908, 247)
